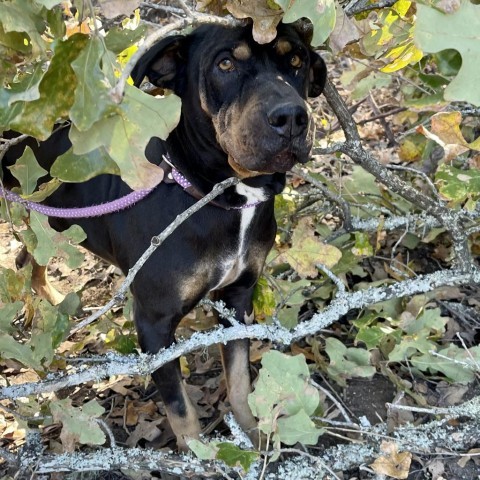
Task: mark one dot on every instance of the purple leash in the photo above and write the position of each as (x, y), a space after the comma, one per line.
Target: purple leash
(102, 209)
(83, 212)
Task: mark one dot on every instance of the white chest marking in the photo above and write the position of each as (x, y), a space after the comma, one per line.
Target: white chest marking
(233, 265)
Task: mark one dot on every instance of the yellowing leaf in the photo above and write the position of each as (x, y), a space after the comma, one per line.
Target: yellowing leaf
(393, 464)
(307, 251)
(402, 56)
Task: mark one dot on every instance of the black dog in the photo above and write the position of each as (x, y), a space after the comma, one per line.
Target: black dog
(243, 114)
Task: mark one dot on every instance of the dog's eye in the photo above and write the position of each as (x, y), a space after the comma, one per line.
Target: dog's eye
(296, 61)
(226, 65)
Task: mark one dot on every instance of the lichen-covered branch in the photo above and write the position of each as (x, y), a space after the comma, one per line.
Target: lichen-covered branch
(144, 364)
(352, 147)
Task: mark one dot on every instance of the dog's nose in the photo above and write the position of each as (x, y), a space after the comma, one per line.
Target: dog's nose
(288, 119)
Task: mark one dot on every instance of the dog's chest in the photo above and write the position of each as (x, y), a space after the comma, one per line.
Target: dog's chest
(233, 263)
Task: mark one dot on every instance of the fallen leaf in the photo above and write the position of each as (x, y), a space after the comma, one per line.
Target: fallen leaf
(473, 454)
(146, 430)
(115, 8)
(393, 464)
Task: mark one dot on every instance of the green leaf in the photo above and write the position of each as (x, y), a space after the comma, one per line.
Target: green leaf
(288, 317)
(458, 185)
(49, 4)
(125, 135)
(282, 389)
(27, 171)
(92, 98)
(320, 12)
(14, 285)
(429, 320)
(370, 336)
(51, 243)
(78, 424)
(10, 348)
(121, 343)
(11, 99)
(70, 304)
(410, 345)
(23, 16)
(347, 362)
(27, 89)
(42, 349)
(433, 33)
(362, 247)
(53, 323)
(8, 313)
(453, 370)
(233, 455)
(69, 167)
(203, 451)
(118, 39)
(298, 428)
(57, 90)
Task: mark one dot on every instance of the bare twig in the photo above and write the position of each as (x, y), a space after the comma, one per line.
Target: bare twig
(195, 18)
(335, 402)
(344, 206)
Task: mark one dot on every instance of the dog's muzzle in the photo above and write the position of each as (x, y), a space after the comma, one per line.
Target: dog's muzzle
(289, 120)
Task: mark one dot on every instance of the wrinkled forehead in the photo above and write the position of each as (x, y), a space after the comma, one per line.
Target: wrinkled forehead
(209, 42)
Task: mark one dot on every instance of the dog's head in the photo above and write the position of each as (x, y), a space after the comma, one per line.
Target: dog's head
(251, 97)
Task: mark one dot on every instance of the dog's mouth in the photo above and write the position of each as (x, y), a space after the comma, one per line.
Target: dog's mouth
(284, 161)
(280, 163)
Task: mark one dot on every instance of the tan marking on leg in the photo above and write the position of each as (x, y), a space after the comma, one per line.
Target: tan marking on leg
(184, 427)
(42, 286)
(236, 367)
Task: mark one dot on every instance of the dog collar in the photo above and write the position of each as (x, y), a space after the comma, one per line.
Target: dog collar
(173, 175)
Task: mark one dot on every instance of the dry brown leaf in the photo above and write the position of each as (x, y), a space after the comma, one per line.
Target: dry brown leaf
(307, 352)
(115, 8)
(452, 150)
(345, 31)
(473, 454)
(217, 7)
(265, 20)
(393, 463)
(145, 429)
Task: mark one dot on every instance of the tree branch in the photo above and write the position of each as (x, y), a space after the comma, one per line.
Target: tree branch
(352, 147)
(144, 364)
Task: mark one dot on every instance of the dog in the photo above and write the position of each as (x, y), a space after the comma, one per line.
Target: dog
(244, 114)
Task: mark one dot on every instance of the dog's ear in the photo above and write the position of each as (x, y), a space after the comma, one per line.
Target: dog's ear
(318, 75)
(162, 64)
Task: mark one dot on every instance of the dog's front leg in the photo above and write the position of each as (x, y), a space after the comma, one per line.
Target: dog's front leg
(153, 335)
(235, 358)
